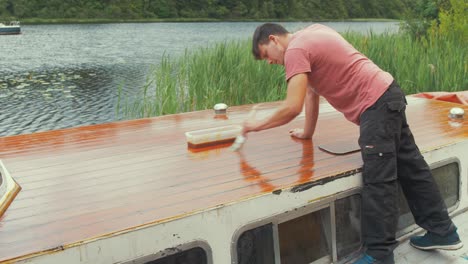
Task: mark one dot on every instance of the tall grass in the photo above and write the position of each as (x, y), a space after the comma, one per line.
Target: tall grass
(227, 72)
(224, 72)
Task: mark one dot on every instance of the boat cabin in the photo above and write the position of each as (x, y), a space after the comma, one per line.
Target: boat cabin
(134, 192)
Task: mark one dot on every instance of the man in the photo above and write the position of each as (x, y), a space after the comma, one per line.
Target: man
(320, 62)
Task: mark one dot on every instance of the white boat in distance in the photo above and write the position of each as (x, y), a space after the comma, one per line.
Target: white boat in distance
(11, 28)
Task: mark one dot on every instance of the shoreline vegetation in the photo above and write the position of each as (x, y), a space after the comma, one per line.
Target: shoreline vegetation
(45, 21)
(227, 72)
(189, 10)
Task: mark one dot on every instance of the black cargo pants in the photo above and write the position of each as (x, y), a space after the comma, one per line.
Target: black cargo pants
(390, 157)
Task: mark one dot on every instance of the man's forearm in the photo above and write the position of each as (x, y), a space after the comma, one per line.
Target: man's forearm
(311, 112)
(289, 109)
(283, 115)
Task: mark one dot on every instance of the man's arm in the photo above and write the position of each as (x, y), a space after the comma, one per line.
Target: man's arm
(288, 110)
(311, 116)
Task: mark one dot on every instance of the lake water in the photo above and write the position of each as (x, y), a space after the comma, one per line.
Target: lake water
(59, 76)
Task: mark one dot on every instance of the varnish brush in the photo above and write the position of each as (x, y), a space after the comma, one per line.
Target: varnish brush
(240, 139)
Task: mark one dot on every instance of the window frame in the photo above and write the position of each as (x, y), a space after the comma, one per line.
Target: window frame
(313, 206)
(171, 251)
(329, 202)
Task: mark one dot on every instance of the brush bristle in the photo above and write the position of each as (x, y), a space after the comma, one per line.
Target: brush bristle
(238, 143)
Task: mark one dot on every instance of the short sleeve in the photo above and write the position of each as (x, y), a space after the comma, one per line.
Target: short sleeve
(296, 61)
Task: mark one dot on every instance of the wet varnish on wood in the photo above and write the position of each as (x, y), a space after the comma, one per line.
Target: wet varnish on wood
(82, 183)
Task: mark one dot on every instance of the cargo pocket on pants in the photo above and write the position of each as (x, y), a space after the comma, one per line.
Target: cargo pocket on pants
(379, 163)
(397, 106)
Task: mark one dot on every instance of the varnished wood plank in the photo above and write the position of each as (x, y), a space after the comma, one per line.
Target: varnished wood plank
(86, 182)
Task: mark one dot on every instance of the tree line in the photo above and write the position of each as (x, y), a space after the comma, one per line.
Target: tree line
(208, 9)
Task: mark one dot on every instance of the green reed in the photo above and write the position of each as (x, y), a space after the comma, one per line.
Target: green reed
(226, 72)
(222, 73)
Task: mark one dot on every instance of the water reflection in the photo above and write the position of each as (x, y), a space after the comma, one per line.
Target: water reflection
(207, 153)
(307, 163)
(252, 175)
(305, 170)
(57, 98)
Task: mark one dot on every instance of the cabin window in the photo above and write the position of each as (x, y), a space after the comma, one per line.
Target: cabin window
(447, 179)
(191, 256)
(305, 239)
(256, 246)
(348, 225)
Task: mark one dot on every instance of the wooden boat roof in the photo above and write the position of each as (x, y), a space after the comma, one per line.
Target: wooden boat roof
(89, 182)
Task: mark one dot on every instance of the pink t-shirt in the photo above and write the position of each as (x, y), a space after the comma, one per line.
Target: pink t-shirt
(347, 79)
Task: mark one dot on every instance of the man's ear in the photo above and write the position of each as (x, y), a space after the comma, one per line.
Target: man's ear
(273, 38)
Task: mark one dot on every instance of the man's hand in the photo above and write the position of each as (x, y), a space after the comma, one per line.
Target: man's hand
(299, 133)
(247, 127)
(250, 123)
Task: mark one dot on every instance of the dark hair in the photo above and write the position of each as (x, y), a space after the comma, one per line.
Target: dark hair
(261, 36)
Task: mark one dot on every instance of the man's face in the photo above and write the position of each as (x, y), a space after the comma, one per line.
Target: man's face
(272, 52)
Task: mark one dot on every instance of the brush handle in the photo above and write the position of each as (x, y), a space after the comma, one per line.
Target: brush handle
(252, 112)
(240, 140)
